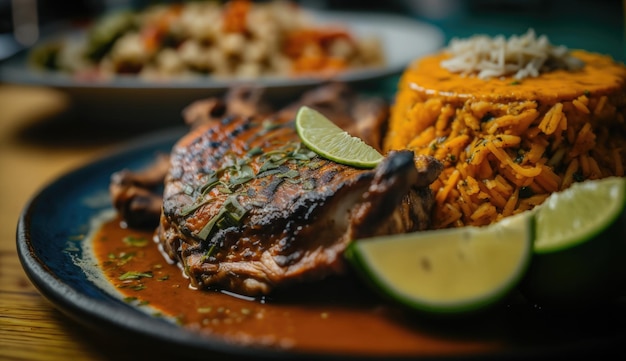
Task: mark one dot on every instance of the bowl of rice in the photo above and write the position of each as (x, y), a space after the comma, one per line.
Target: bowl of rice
(513, 120)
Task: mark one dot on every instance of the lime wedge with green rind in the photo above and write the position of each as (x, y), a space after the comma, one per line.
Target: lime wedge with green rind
(328, 140)
(580, 213)
(580, 246)
(447, 271)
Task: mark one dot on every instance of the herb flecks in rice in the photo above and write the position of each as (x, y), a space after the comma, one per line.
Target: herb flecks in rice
(506, 148)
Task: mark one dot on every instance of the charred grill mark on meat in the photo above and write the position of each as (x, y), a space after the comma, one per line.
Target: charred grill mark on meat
(248, 208)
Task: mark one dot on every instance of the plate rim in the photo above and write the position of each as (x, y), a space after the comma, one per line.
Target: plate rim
(84, 309)
(115, 316)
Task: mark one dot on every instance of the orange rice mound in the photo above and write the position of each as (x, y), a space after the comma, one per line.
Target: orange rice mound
(507, 144)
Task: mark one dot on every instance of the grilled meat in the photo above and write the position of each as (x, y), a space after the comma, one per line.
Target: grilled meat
(248, 208)
(134, 193)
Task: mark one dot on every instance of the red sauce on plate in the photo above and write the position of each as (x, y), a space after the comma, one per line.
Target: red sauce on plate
(337, 315)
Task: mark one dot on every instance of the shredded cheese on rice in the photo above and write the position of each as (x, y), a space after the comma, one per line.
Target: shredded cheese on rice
(522, 56)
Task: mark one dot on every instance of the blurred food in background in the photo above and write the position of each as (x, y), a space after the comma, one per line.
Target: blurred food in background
(585, 24)
(593, 25)
(237, 38)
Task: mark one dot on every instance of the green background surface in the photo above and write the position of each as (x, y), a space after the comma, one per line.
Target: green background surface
(596, 26)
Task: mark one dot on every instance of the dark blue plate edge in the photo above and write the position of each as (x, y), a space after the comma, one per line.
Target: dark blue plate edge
(102, 315)
(114, 318)
(119, 319)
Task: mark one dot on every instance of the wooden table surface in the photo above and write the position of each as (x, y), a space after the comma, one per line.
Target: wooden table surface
(38, 143)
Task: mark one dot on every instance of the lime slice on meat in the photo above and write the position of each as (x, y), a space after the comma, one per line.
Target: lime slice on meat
(580, 246)
(447, 271)
(328, 140)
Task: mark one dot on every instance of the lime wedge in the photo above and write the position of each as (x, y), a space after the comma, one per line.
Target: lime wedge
(447, 271)
(579, 214)
(580, 246)
(325, 138)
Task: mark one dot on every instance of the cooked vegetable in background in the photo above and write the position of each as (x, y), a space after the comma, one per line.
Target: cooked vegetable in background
(236, 39)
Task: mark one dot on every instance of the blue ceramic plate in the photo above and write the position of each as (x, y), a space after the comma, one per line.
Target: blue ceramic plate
(57, 219)
(49, 235)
